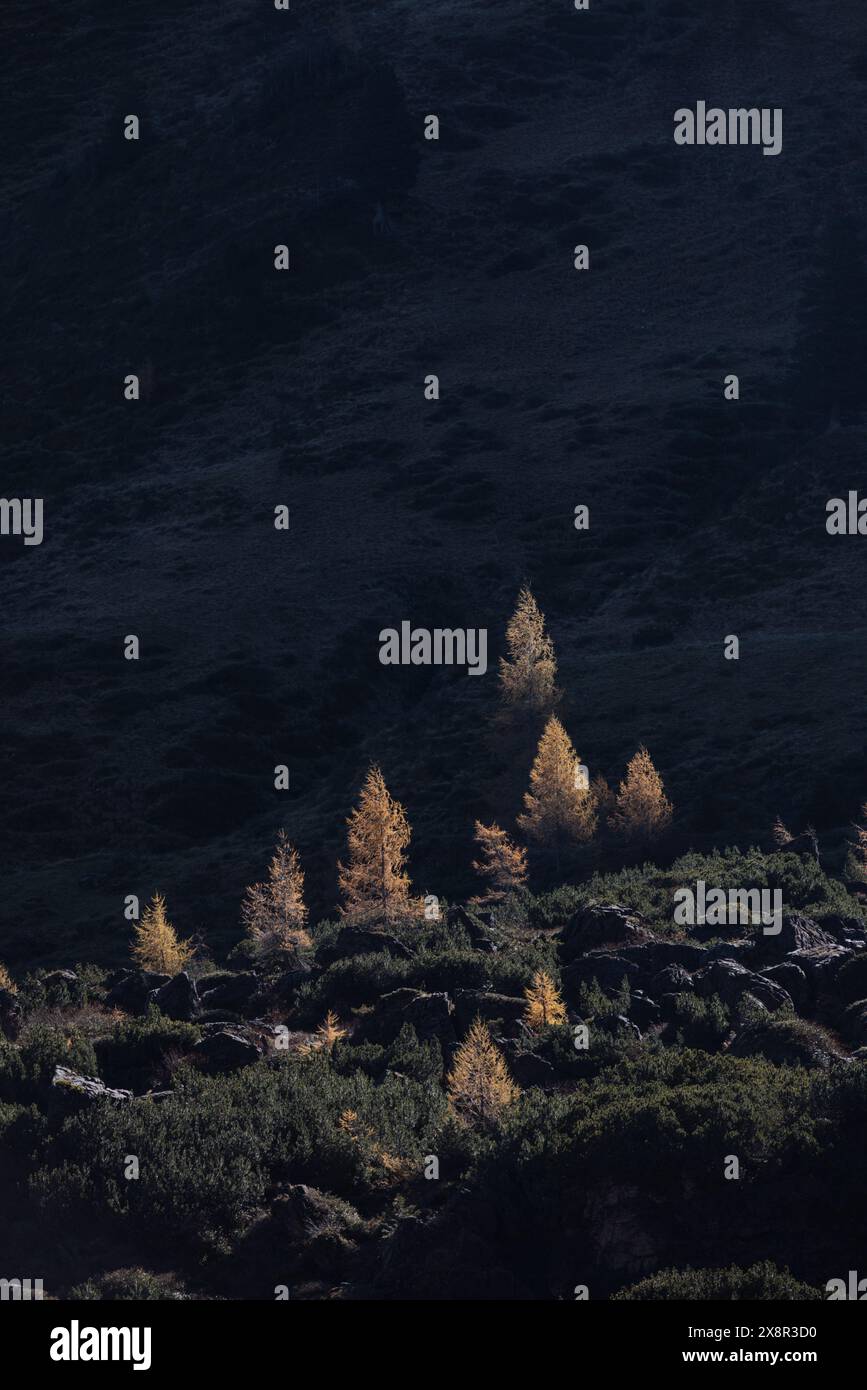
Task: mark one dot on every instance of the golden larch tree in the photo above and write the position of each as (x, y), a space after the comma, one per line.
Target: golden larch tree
(528, 674)
(274, 913)
(479, 1086)
(373, 883)
(6, 980)
(559, 807)
(643, 811)
(156, 946)
(502, 863)
(545, 1007)
(330, 1031)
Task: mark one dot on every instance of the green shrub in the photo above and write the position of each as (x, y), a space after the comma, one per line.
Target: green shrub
(760, 1281)
(26, 1070)
(135, 1285)
(593, 1002)
(135, 1054)
(363, 979)
(208, 1153)
(703, 1023)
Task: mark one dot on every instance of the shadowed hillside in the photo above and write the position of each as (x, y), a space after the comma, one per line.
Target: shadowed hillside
(411, 257)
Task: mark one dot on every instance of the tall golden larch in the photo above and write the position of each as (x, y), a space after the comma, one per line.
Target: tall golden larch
(527, 675)
(373, 883)
(503, 863)
(643, 811)
(156, 946)
(275, 913)
(559, 807)
(545, 1007)
(479, 1086)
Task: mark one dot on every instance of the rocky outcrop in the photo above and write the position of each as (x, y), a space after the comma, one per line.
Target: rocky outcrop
(226, 1050)
(602, 924)
(429, 1014)
(673, 979)
(359, 941)
(526, 1067)
(797, 933)
(71, 1092)
(792, 979)
(227, 991)
(178, 998)
(607, 970)
(130, 989)
(786, 1041)
(506, 1008)
(731, 981)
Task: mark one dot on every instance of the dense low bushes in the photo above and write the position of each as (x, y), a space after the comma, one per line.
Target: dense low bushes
(207, 1154)
(662, 1146)
(760, 1281)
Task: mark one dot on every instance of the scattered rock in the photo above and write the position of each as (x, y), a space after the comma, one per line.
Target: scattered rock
(820, 964)
(429, 1014)
(731, 980)
(845, 930)
(653, 956)
(71, 1091)
(131, 989)
(850, 980)
(227, 991)
(786, 1041)
(797, 933)
(602, 924)
(643, 1011)
(489, 1006)
(359, 941)
(608, 971)
(178, 998)
(673, 979)
(226, 1051)
(727, 978)
(528, 1069)
(792, 979)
